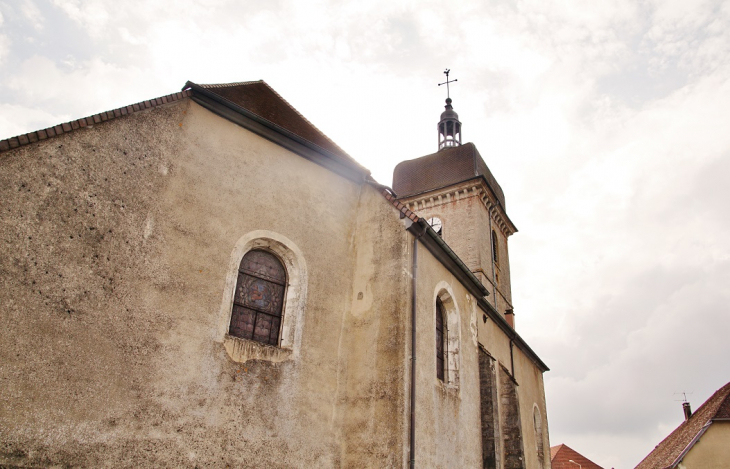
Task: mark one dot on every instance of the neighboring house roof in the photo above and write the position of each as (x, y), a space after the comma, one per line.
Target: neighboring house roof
(562, 455)
(444, 168)
(669, 453)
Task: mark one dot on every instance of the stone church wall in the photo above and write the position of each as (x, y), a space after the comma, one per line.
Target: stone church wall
(447, 412)
(118, 243)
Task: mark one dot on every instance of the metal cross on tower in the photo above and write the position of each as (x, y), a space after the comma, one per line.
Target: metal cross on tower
(446, 72)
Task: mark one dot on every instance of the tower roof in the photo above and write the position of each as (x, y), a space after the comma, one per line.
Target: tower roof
(448, 166)
(449, 112)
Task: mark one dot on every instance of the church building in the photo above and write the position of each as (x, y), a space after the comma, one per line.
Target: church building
(206, 280)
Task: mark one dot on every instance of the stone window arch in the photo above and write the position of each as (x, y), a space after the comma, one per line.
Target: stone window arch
(288, 343)
(437, 224)
(539, 439)
(451, 337)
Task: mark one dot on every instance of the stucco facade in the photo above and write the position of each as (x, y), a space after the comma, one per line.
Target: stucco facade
(712, 451)
(122, 243)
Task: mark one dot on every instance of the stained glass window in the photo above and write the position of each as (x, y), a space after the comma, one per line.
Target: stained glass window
(259, 298)
(440, 340)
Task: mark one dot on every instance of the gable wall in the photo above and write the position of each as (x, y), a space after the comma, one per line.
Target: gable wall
(119, 240)
(712, 450)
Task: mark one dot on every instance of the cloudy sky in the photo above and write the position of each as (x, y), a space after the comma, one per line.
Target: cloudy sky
(607, 124)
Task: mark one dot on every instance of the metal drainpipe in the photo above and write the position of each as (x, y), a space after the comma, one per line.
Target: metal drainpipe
(413, 350)
(512, 356)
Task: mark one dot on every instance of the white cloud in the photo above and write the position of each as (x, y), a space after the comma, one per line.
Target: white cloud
(16, 119)
(5, 44)
(32, 14)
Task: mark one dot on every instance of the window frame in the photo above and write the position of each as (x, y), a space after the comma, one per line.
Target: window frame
(442, 341)
(452, 339)
(281, 296)
(293, 308)
(495, 248)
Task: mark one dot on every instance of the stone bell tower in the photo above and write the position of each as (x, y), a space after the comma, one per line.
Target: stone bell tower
(458, 195)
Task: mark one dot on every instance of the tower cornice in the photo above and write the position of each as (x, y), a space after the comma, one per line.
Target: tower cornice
(475, 187)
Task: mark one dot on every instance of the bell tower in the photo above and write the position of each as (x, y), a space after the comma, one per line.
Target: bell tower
(454, 190)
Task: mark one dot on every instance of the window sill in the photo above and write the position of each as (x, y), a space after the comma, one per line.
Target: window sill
(449, 389)
(243, 350)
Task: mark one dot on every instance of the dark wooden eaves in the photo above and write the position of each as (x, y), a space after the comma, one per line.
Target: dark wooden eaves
(275, 133)
(448, 258)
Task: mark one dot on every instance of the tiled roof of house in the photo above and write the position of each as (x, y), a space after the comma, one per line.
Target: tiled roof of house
(668, 453)
(562, 455)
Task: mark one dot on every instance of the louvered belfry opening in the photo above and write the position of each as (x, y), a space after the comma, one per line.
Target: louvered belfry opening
(440, 340)
(449, 127)
(259, 298)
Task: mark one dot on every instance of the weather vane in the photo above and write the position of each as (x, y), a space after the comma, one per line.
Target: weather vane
(446, 72)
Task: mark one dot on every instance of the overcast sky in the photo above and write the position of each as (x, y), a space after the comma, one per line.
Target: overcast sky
(607, 123)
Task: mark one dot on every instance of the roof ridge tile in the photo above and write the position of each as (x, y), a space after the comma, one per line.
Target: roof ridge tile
(226, 85)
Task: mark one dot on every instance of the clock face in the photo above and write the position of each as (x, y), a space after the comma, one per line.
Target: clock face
(435, 224)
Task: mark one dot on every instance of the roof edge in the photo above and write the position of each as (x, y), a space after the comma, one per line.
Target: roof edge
(67, 127)
(498, 204)
(690, 445)
(220, 100)
(473, 284)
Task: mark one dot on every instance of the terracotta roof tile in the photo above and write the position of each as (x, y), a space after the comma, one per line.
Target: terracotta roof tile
(666, 453)
(561, 455)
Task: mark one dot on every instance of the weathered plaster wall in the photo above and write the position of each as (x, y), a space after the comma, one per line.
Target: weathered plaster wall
(118, 242)
(447, 414)
(372, 383)
(712, 451)
(530, 388)
(531, 393)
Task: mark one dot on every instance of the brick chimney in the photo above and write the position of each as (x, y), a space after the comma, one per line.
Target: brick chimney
(509, 316)
(687, 410)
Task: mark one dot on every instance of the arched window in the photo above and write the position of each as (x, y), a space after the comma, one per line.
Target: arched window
(441, 339)
(494, 248)
(537, 420)
(259, 298)
(437, 225)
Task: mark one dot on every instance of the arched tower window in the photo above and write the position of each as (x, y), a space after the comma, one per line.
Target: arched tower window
(259, 298)
(437, 225)
(495, 256)
(441, 339)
